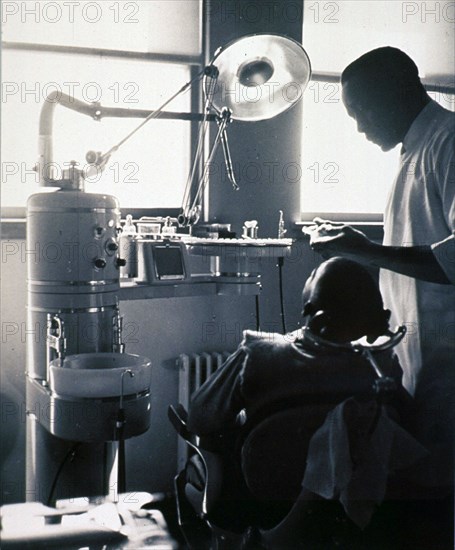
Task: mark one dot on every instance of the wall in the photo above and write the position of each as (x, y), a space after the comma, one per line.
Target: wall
(12, 371)
(265, 154)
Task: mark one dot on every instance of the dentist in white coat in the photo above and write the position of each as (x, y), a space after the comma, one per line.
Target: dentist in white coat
(383, 93)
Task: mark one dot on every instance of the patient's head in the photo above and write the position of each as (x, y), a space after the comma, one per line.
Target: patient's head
(342, 302)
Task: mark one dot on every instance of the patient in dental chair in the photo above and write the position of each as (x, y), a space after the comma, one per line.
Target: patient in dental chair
(341, 304)
(315, 372)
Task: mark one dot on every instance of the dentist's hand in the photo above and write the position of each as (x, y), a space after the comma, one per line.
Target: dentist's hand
(337, 239)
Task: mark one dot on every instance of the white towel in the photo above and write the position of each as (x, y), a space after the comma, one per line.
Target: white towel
(360, 486)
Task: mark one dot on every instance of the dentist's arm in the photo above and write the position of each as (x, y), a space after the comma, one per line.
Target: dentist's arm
(414, 261)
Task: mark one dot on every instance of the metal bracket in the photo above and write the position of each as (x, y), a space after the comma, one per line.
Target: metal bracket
(55, 340)
(117, 324)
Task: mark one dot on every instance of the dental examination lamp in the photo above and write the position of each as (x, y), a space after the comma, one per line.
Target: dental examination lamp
(254, 78)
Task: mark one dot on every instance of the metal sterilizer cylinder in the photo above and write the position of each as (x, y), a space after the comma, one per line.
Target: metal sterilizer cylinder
(73, 279)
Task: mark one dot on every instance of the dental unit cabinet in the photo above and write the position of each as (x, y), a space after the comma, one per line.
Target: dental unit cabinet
(77, 394)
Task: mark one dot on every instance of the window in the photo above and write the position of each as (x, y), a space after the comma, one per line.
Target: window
(142, 172)
(342, 173)
(151, 168)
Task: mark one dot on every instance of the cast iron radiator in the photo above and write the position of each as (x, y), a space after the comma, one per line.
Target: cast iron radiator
(194, 370)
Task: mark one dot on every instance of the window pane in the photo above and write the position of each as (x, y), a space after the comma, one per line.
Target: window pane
(342, 171)
(336, 33)
(140, 25)
(149, 170)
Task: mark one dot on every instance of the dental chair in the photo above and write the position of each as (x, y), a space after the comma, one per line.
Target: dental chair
(266, 486)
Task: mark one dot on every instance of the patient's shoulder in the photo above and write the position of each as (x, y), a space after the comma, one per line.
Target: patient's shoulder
(258, 342)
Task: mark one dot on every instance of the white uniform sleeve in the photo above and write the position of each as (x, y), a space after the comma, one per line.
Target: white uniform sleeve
(444, 251)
